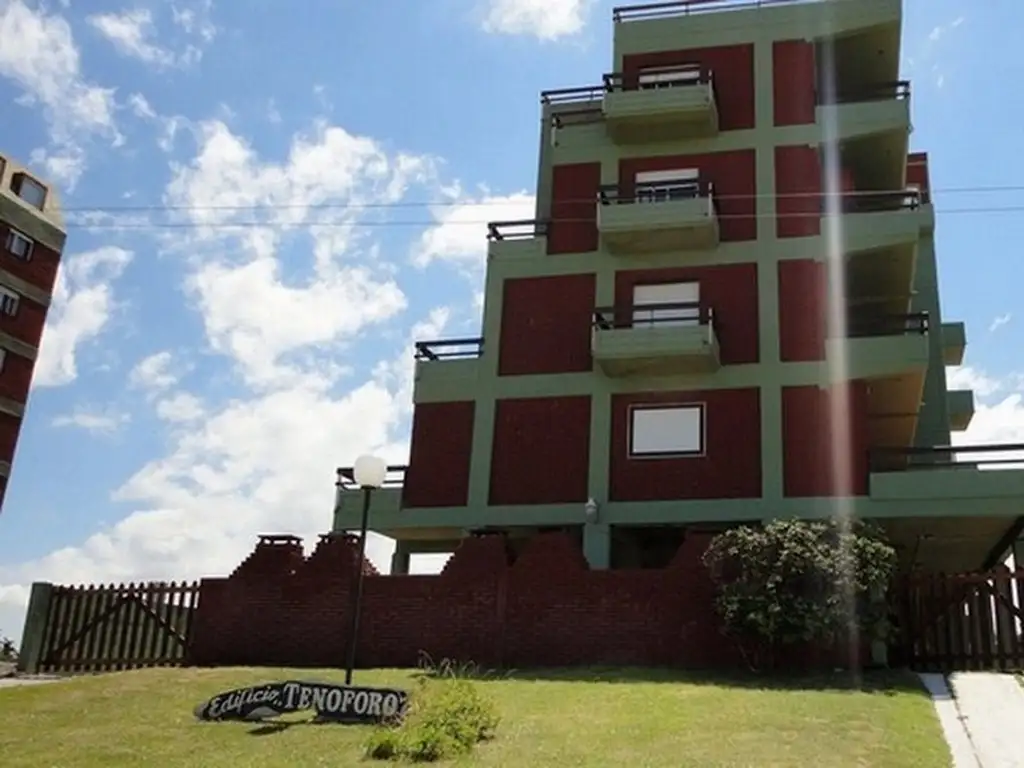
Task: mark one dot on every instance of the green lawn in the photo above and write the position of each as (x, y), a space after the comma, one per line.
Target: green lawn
(564, 719)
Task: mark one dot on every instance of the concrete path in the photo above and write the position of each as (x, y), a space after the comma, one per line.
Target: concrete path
(991, 705)
(14, 682)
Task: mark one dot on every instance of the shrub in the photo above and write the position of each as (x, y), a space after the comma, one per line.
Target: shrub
(448, 715)
(7, 650)
(794, 582)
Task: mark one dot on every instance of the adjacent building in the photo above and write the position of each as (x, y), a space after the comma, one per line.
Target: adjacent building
(726, 310)
(31, 240)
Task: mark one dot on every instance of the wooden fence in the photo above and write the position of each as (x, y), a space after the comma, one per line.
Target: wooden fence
(963, 621)
(103, 628)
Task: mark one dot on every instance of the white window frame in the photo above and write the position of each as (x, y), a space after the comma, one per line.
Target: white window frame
(652, 435)
(24, 179)
(9, 301)
(656, 77)
(682, 292)
(663, 186)
(14, 237)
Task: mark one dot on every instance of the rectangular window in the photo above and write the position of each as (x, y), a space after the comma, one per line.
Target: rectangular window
(685, 298)
(8, 301)
(668, 77)
(664, 431)
(29, 190)
(661, 186)
(19, 245)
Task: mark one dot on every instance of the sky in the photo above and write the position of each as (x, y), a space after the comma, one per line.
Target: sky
(265, 208)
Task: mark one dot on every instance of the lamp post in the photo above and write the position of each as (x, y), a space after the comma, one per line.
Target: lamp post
(369, 473)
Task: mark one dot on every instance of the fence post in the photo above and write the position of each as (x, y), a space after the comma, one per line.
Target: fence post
(30, 655)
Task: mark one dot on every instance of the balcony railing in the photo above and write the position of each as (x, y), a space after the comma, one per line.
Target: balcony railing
(872, 325)
(993, 457)
(524, 229)
(394, 478)
(876, 202)
(894, 91)
(449, 349)
(572, 95)
(653, 315)
(691, 7)
(657, 192)
(675, 76)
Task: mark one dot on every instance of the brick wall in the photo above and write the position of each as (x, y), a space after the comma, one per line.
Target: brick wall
(544, 609)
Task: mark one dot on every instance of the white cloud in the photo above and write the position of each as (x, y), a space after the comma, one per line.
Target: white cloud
(999, 322)
(543, 19)
(155, 372)
(928, 53)
(998, 415)
(100, 422)
(39, 54)
(180, 407)
(131, 34)
(460, 235)
(83, 302)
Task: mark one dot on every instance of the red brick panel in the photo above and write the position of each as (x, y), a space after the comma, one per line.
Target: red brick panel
(917, 173)
(27, 322)
(798, 190)
(794, 82)
(541, 452)
(803, 310)
(734, 175)
(733, 70)
(730, 290)
(573, 226)
(808, 436)
(9, 427)
(40, 270)
(16, 377)
(729, 469)
(546, 325)
(439, 455)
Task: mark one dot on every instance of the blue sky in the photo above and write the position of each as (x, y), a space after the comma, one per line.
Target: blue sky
(198, 383)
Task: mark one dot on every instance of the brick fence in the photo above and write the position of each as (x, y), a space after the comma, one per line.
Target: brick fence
(547, 608)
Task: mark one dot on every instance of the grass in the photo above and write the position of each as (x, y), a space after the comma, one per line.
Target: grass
(585, 718)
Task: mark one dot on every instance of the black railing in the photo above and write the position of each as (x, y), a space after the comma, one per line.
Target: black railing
(874, 324)
(946, 457)
(876, 202)
(653, 315)
(691, 7)
(450, 349)
(524, 229)
(394, 478)
(572, 95)
(687, 74)
(656, 192)
(583, 116)
(892, 91)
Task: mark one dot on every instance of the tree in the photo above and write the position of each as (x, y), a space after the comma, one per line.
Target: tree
(794, 582)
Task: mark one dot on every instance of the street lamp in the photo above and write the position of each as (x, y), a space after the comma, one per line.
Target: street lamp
(369, 472)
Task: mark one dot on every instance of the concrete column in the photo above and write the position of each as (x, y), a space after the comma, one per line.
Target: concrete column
(597, 545)
(30, 656)
(400, 559)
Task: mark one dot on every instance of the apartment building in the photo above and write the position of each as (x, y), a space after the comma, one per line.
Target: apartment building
(31, 240)
(726, 310)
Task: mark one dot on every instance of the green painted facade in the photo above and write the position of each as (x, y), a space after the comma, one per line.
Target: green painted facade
(953, 492)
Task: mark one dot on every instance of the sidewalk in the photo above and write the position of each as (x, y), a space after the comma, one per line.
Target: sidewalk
(991, 705)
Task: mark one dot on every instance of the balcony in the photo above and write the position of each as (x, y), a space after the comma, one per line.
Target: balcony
(961, 409)
(879, 345)
(880, 233)
(348, 499)
(658, 217)
(675, 338)
(522, 238)
(446, 367)
(954, 341)
(872, 122)
(660, 104)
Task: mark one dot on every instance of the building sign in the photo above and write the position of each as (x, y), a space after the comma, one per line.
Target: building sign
(332, 703)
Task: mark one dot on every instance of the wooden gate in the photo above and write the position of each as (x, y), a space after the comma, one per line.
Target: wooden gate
(950, 622)
(97, 628)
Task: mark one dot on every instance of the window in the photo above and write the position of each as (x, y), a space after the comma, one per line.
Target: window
(668, 430)
(19, 245)
(668, 77)
(686, 297)
(661, 186)
(29, 190)
(8, 301)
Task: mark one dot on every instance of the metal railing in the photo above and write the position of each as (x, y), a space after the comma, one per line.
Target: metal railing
(692, 7)
(873, 324)
(876, 202)
(656, 192)
(450, 349)
(653, 315)
(572, 95)
(696, 74)
(523, 229)
(394, 478)
(947, 457)
(583, 116)
(893, 91)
